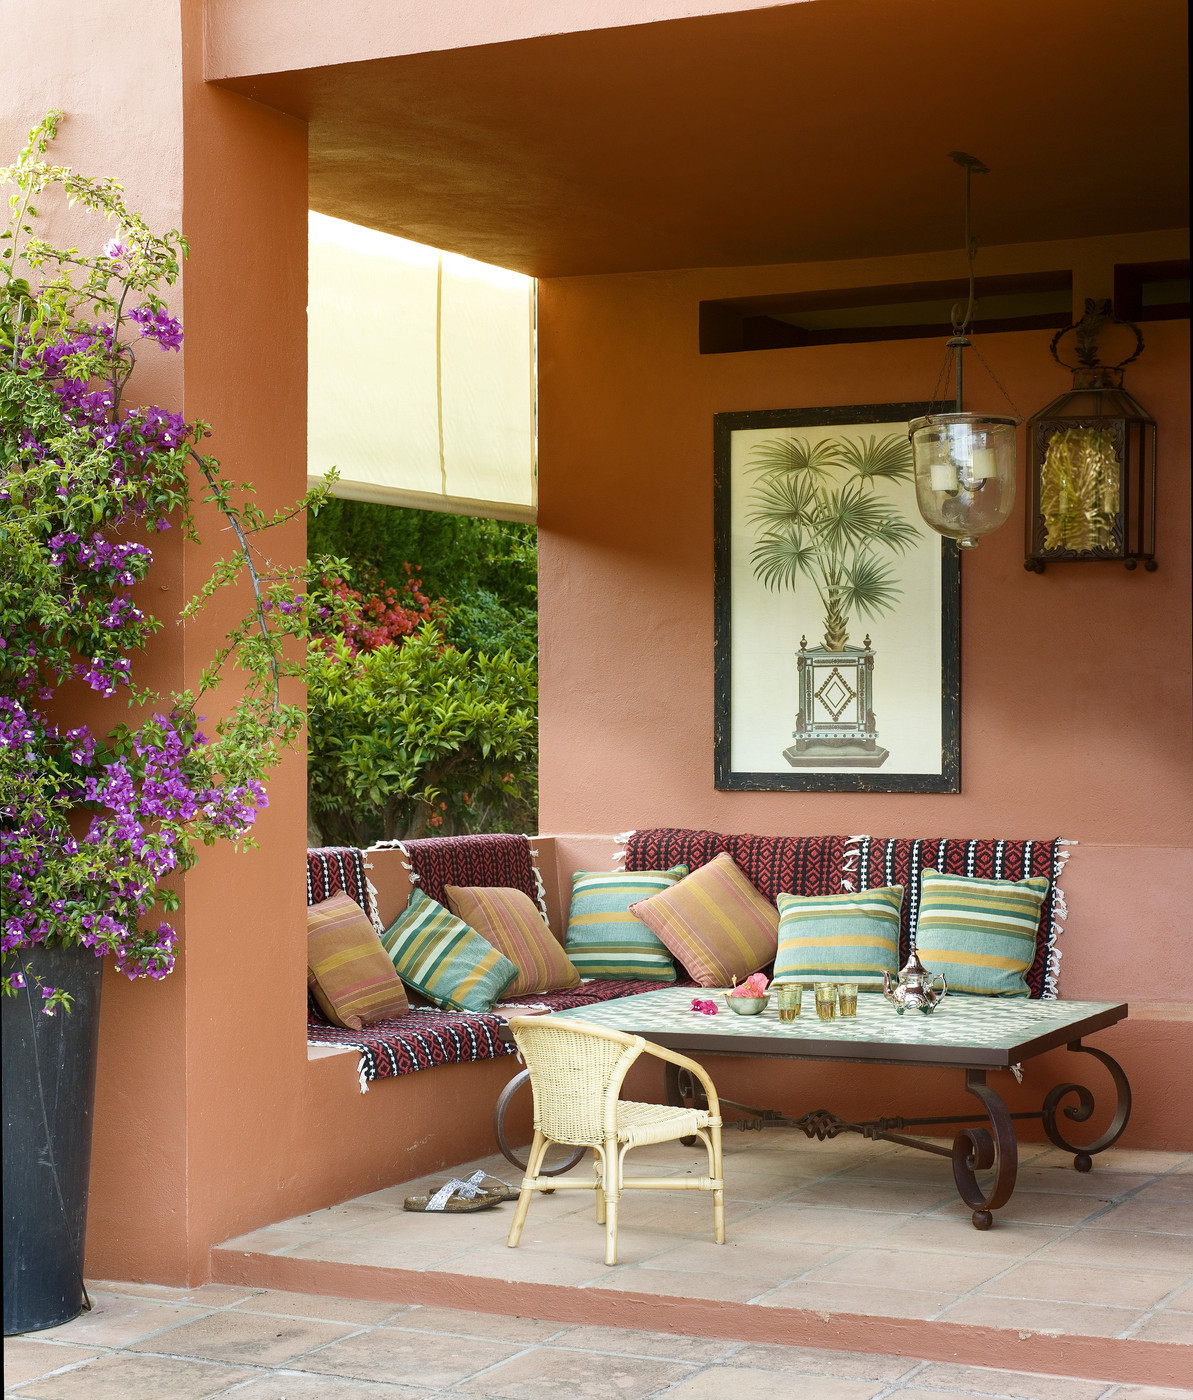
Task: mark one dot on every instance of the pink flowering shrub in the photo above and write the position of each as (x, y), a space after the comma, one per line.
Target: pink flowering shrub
(94, 819)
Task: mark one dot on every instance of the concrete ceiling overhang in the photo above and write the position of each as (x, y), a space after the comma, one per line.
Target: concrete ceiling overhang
(811, 131)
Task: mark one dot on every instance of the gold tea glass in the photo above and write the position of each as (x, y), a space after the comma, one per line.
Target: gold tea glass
(847, 999)
(790, 996)
(826, 1000)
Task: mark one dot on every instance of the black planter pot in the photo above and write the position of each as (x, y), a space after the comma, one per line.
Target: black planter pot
(49, 1102)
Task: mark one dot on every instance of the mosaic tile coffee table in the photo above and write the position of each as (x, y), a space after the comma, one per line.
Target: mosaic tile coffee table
(972, 1034)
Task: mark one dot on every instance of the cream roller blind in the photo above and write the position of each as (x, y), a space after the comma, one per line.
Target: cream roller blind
(420, 375)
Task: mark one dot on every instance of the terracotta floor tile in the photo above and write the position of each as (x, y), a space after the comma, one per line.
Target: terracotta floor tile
(1064, 1180)
(270, 1240)
(128, 1377)
(1128, 1159)
(1168, 1326)
(1037, 1208)
(1034, 1315)
(920, 1169)
(729, 1288)
(775, 1259)
(289, 1385)
(462, 1230)
(1151, 1392)
(1121, 1249)
(819, 1224)
(666, 1346)
(980, 1380)
(812, 1361)
(115, 1321)
(383, 1254)
(206, 1295)
(25, 1359)
(405, 1358)
(526, 1266)
(249, 1338)
(894, 1197)
(348, 1216)
(1072, 1283)
(1162, 1217)
(320, 1308)
(947, 1273)
(857, 1298)
(514, 1330)
(1174, 1187)
(582, 1237)
(956, 1235)
(721, 1382)
(549, 1373)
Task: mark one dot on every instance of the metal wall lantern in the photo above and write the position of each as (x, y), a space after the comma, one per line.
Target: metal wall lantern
(1092, 460)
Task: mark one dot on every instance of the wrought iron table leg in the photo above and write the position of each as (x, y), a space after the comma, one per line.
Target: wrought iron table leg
(975, 1149)
(1081, 1111)
(507, 1151)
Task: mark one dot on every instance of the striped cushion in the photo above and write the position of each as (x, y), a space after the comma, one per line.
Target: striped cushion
(980, 933)
(840, 937)
(714, 922)
(444, 959)
(347, 971)
(604, 939)
(508, 920)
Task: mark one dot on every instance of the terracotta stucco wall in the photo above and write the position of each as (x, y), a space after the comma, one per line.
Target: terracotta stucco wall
(1075, 684)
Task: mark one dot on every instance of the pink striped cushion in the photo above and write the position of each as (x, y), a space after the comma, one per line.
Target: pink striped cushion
(508, 920)
(714, 922)
(348, 970)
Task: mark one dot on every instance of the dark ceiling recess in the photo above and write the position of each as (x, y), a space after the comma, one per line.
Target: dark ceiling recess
(1015, 302)
(1156, 291)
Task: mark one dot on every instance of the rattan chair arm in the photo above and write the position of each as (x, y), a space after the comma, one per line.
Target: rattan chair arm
(660, 1052)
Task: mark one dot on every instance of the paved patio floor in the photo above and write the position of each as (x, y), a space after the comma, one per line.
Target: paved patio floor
(147, 1343)
(822, 1237)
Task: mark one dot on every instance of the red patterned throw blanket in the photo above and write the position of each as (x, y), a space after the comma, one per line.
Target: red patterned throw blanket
(428, 1036)
(814, 865)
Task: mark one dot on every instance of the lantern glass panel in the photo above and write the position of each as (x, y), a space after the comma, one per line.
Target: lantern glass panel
(964, 473)
(1092, 455)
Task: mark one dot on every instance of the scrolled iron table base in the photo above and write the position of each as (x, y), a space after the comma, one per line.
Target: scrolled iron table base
(987, 1144)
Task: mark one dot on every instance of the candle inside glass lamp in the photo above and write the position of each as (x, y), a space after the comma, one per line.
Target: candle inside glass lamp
(983, 464)
(943, 475)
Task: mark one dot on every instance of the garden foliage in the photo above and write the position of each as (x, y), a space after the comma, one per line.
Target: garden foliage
(422, 692)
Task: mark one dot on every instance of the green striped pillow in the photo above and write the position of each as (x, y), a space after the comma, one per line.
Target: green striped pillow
(839, 937)
(441, 957)
(604, 939)
(980, 933)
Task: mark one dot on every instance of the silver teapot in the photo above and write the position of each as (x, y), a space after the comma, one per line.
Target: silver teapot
(916, 989)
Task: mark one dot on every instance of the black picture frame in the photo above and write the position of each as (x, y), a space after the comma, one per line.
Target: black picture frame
(948, 780)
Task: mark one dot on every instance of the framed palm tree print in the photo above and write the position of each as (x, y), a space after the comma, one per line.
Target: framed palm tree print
(838, 618)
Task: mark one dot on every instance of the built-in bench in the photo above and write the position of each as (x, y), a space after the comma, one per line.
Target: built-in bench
(429, 1036)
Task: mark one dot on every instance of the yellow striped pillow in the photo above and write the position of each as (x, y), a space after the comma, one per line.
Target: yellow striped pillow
(980, 933)
(714, 923)
(840, 937)
(348, 971)
(509, 921)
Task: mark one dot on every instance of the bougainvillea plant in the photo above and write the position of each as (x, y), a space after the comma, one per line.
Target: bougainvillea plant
(95, 818)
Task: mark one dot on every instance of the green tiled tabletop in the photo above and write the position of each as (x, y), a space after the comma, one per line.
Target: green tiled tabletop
(965, 1031)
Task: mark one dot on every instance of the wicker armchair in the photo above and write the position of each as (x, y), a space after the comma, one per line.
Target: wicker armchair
(576, 1073)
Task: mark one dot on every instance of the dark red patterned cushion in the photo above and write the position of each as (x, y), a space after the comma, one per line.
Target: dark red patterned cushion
(498, 861)
(885, 860)
(773, 864)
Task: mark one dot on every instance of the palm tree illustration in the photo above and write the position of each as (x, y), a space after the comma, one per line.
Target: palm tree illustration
(822, 519)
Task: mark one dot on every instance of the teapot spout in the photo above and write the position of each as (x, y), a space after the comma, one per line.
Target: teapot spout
(887, 989)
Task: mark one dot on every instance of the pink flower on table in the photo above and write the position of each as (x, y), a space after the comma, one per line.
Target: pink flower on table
(705, 1008)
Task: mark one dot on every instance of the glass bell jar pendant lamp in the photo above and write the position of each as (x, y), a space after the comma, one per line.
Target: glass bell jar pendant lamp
(1092, 460)
(964, 462)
